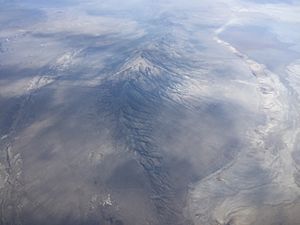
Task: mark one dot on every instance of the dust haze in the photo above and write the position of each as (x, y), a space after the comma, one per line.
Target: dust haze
(147, 112)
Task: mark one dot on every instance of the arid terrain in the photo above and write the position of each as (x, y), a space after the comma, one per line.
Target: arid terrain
(147, 112)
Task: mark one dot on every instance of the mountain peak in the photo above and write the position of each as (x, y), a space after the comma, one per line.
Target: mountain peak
(140, 63)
